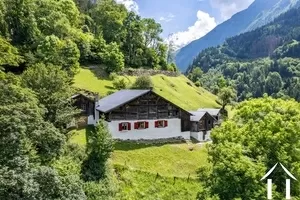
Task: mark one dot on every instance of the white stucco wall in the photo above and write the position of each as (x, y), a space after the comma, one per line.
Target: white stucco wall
(186, 135)
(207, 136)
(172, 130)
(91, 120)
(198, 136)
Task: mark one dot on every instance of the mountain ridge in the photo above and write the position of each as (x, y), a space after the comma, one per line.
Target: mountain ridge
(263, 61)
(240, 22)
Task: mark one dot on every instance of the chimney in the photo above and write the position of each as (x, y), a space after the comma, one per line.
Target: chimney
(97, 97)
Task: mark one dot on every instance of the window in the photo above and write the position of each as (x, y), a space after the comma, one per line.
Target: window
(124, 126)
(161, 124)
(141, 125)
(83, 106)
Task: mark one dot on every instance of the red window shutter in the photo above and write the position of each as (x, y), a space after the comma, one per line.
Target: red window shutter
(129, 126)
(136, 125)
(156, 124)
(120, 126)
(165, 123)
(146, 124)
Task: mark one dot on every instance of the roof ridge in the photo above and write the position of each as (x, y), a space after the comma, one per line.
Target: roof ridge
(118, 99)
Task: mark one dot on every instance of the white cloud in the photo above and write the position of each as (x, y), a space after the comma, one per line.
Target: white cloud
(203, 25)
(167, 18)
(131, 5)
(228, 8)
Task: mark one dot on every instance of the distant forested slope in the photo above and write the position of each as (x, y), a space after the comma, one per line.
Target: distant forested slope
(259, 13)
(266, 60)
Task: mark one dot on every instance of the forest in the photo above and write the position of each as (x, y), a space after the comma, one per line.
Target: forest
(43, 43)
(68, 33)
(263, 61)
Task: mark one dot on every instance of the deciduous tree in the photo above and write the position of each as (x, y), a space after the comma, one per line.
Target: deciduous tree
(226, 96)
(99, 149)
(9, 55)
(53, 88)
(261, 133)
(142, 82)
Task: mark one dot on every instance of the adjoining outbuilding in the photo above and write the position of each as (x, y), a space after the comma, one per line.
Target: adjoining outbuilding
(214, 112)
(201, 125)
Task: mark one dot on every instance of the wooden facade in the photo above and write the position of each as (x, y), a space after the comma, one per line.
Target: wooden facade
(206, 123)
(149, 106)
(85, 104)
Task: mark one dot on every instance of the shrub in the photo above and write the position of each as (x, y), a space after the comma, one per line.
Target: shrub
(109, 92)
(131, 71)
(99, 149)
(119, 84)
(113, 58)
(142, 82)
(112, 76)
(105, 189)
(198, 84)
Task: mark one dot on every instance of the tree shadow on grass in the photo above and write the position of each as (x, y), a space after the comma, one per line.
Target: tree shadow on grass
(194, 141)
(109, 87)
(98, 71)
(89, 132)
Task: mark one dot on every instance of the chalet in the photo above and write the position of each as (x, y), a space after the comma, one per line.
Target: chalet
(143, 114)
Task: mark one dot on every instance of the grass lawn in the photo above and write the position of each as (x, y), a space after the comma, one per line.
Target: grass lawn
(78, 136)
(138, 180)
(137, 185)
(168, 160)
(178, 90)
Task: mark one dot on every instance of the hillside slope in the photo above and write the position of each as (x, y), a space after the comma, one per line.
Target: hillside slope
(265, 60)
(259, 13)
(178, 90)
(147, 171)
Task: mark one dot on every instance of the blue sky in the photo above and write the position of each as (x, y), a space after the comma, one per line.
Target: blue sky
(174, 15)
(187, 20)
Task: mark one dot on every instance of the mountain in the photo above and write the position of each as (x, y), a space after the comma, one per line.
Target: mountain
(265, 60)
(259, 13)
